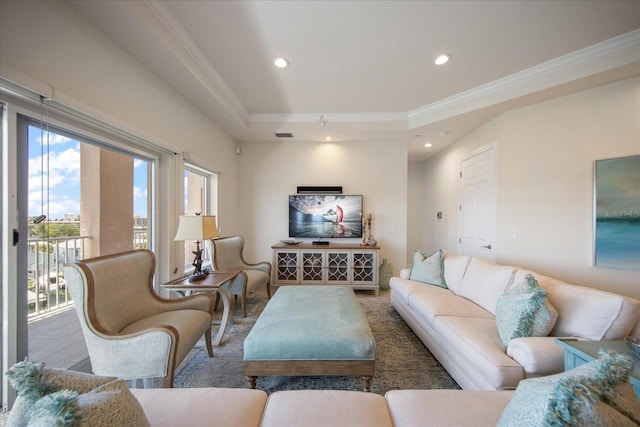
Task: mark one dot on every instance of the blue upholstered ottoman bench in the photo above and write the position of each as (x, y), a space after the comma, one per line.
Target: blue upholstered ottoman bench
(311, 330)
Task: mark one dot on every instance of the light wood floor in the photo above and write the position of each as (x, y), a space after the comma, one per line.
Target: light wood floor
(56, 339)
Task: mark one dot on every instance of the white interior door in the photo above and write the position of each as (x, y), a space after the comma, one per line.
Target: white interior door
(478, 203)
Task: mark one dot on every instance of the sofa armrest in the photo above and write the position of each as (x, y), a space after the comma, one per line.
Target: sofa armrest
(538, 356)
(405, 273)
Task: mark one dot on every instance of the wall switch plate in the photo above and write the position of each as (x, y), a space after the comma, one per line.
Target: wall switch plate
(513, 233)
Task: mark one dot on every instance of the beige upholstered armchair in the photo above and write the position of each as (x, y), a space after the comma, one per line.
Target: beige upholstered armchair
(130, 331)
(226, 255)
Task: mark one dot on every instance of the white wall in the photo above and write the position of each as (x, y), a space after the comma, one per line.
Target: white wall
(547, 153)
(269, 172)
(419, 220)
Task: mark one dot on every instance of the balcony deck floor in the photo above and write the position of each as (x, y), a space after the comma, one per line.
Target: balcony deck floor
(56, 339)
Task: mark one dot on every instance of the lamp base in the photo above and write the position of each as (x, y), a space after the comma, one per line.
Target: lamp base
(201, 275)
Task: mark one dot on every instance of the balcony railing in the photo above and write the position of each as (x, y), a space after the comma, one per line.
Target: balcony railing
(47, 289)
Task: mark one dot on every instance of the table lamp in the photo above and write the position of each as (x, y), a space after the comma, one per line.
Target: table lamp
(198, 228)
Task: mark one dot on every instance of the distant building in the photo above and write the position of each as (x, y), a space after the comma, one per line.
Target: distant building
(139, 222)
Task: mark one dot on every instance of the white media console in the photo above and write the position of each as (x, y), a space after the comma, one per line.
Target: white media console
(333, 264)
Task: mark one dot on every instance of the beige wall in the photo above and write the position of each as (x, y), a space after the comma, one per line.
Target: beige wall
(269, 172)
(547, 152)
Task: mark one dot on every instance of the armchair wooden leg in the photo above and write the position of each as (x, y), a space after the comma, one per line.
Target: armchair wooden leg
(167, 382)
(269, 290)
(207, 339)
(244, 306)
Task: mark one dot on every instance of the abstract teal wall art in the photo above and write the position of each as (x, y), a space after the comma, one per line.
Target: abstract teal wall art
(617, 213)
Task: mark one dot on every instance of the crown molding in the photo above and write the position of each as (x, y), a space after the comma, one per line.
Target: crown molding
(180, 43)
(610, 54)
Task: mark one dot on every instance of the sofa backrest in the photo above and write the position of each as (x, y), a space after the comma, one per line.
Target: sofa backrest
(587, 312)
(454, 268)
(484, 282)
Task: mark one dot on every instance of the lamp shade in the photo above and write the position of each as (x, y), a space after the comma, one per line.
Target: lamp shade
(196, 227)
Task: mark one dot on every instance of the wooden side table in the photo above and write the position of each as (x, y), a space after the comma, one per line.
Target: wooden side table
(212, 283)
(577, 353)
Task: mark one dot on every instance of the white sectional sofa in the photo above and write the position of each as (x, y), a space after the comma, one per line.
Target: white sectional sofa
(458, 326)
(321, 408)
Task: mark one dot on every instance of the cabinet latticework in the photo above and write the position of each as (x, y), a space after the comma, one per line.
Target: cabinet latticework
(363, 267)
(312, 267)
(337, 267)
(287, 266)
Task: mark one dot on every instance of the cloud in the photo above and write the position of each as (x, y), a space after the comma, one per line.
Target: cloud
(139, 192)
(55, 207)
(62, 167)
(52, 138)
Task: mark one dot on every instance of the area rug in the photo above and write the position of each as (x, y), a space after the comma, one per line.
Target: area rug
(402, 360)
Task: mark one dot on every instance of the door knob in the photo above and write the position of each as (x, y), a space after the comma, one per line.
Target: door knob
(487, 247)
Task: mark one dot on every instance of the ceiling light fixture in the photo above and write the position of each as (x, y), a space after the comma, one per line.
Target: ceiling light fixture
(281, 62)
(328, 138)
(443, 59)
(428, 145)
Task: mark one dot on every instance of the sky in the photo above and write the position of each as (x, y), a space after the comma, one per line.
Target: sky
(63, 177)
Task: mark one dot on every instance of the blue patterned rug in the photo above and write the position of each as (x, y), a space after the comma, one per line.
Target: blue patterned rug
(402, 361)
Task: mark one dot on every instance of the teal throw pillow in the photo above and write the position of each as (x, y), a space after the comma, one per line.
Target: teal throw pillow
(524, 311)
(428, 269)
(595, 394)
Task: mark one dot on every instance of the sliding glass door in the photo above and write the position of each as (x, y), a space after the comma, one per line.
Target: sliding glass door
(85, 199)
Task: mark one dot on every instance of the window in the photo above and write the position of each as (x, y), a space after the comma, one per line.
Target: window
(200, 197)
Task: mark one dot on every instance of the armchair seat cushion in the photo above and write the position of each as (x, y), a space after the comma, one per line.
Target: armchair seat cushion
(190, 324)
(255, 279)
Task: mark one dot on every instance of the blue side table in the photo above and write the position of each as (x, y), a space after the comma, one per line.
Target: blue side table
(577, 353)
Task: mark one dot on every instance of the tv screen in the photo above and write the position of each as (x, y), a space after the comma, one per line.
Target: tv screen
(325, 216)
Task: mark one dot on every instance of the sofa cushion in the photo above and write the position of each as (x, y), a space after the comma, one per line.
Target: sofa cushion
(233, 407)
(475, 344)
(109, 405)
(454, 269)
(524, 312)
(428, 269)
(404, 288)
(484, 282)
(596, 393)
(434, 301)
(323, 408)
(587, 312)
(410, 408)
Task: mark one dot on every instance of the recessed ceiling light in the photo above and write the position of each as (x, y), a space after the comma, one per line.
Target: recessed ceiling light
(442, 59)
(428, 145)
(328, 138)
(281, 62)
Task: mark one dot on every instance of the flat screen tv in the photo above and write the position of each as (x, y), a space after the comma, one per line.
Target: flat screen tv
(325, 216)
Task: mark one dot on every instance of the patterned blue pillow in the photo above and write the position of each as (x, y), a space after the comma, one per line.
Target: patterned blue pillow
(428, 269)
(596, 393)
(524, 311)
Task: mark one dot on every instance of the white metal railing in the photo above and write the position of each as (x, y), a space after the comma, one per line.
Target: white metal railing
(47, 289)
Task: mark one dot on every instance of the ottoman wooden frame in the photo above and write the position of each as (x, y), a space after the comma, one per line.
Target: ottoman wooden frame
(363, 367)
